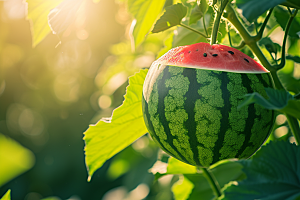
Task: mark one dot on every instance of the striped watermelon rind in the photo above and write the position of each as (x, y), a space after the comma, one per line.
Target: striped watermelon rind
(192, 113)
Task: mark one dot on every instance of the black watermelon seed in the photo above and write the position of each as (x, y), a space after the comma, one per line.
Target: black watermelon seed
(246, 60)
(196, 49)
(214, 55)
(205, 54)
(189, 51)
(231, 52)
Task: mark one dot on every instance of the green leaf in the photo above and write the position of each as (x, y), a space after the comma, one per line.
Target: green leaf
(6, 196)
(252, 9)
(279, 100)
(292, 3)
(196, 14)
(61, 17)
(110, 136)
(272, 173)
(171, 17)
(145, 12)
(15, 159)
(203, 6)
(37, 14)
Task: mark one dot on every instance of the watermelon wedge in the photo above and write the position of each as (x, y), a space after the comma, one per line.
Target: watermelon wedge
(212, 57)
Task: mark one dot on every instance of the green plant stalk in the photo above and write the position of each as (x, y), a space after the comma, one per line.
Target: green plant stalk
(204, 26)
(294, 126)
(214, 34)
(212, 181)
(194, 30)
(261, 31)
(251, 42)
(287, 28)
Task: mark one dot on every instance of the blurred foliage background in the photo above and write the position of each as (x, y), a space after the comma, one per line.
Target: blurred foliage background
(49, 94)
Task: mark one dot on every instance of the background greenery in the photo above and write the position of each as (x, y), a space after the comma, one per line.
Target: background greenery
(50, 93)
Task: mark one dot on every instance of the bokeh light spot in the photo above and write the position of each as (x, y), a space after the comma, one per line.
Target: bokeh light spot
(104, 101)
(82, 34)
(280, 119)
(281, 131)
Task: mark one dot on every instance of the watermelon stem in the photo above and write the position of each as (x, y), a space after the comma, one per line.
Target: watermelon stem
(262, 28)
(241, 45)
(288, 26)
(204, 26)
(215, 31)
(194, 30)
(212, 181)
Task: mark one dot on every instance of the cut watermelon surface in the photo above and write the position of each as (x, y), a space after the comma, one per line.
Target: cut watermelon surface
(211, 57)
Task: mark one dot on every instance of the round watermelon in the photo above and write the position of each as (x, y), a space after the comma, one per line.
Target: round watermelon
(190, 100)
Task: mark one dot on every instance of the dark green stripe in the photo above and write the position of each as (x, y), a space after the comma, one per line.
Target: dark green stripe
(225, 110)
(163, 92)
(251, 117)
(192, 95)
(261, 80)
(150, 127)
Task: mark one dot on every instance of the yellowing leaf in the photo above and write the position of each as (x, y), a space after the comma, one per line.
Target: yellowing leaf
(15, 159)
(6, 196)
(110, 136)
(37, 14)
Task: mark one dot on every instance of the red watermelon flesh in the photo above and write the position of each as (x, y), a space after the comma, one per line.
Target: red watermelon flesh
(211, 57)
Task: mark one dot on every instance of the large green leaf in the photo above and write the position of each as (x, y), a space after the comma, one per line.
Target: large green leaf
(15, 159)
(292, 3)
(110, 136)
(279, 100)
(272, 173)
(193, 184)
(171, 17)
(145, 13)
(6, 196)
(37, 14)
(252, 9)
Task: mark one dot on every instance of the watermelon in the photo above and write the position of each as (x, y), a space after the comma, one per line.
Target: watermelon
(190, 100)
